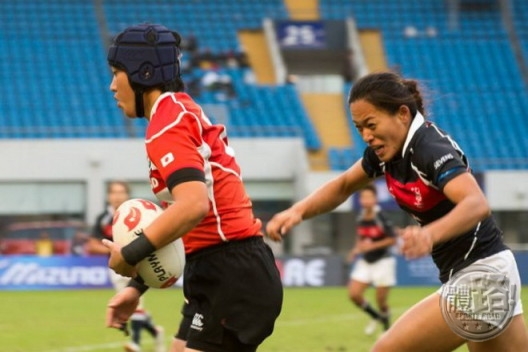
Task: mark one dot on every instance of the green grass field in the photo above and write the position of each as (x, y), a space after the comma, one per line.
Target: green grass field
(312, 320)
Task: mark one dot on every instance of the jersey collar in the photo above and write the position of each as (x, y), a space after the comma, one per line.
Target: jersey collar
(156, 103)
(416, 123)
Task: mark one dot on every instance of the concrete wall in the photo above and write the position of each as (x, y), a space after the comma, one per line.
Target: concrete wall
(271, 168)
(69, 176)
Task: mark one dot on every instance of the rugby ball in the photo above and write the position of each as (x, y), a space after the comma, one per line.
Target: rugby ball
(164, 266)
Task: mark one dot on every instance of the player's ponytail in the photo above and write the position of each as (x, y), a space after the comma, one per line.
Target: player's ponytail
(412, 86)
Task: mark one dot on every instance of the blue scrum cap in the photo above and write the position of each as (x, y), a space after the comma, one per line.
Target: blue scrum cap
(148, 53)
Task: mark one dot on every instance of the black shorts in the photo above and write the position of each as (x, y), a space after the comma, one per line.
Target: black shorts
(233, 295)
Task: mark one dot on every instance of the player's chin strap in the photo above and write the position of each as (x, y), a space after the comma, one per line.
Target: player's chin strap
(140, 106)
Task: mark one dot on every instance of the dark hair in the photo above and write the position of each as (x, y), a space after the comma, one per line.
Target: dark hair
(388, 91)
(121, 183)
(370, 187)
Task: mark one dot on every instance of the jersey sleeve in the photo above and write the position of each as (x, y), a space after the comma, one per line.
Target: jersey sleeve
(175, 149)
(371, 163)
(441, 158)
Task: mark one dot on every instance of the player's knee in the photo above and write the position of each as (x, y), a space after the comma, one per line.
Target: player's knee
(383, 344)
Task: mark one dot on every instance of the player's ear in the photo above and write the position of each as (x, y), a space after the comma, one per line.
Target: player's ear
(404, 114)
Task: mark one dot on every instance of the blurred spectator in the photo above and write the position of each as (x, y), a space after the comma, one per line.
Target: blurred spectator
(410, 32)
(44, 245)
(291, 79)
(78, 243)
(207, 60)
(190, 43)
(193, 86)
(242, 59)
(219, 82)
(203, 69)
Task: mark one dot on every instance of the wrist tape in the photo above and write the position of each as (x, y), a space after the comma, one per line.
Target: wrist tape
(137, 250)
(138, 284)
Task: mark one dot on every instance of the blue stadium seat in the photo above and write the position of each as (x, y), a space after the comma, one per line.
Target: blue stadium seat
(475, 83)
(471, 70)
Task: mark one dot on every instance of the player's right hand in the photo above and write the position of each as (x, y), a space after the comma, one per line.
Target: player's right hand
(283, 222)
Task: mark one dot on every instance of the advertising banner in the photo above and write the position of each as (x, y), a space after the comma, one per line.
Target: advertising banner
(416, 272)
(314, 271)
(65, 272)
(53, 273)
(69, 272)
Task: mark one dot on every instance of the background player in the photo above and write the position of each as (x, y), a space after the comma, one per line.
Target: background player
(118, 192)
(376, 265)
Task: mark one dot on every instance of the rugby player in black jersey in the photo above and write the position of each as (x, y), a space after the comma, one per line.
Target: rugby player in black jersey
(374, 263)
(430, 178)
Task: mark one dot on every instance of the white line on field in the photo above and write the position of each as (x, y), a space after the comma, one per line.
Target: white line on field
(330, 318)
(280, 323)
(89, 348)
(324, 319)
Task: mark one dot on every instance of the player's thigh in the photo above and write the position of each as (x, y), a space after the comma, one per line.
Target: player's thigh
(177, 345)
(513, 339)
(421, 328)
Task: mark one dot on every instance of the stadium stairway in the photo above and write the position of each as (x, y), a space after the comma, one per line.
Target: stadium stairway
(302, 10)
(329, 118)
(325, 110)
(373, 49)
(257, 51)
(341, 155)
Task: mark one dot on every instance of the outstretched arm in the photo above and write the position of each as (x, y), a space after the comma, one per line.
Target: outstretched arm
(322, 200)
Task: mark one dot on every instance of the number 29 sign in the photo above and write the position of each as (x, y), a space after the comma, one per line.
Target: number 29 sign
(301, 34)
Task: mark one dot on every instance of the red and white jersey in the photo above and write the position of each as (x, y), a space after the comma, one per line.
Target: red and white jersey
(181, 142)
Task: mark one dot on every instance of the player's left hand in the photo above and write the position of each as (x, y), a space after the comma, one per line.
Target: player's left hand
(116, 261)
(121, 307)
(416, 242)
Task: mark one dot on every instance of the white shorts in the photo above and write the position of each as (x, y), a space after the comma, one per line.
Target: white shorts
(505, 264)
(381, 273)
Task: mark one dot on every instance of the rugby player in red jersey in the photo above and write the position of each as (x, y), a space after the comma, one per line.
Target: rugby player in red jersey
(233, 292)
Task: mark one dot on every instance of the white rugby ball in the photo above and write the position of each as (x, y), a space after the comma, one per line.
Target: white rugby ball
(164, 266)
